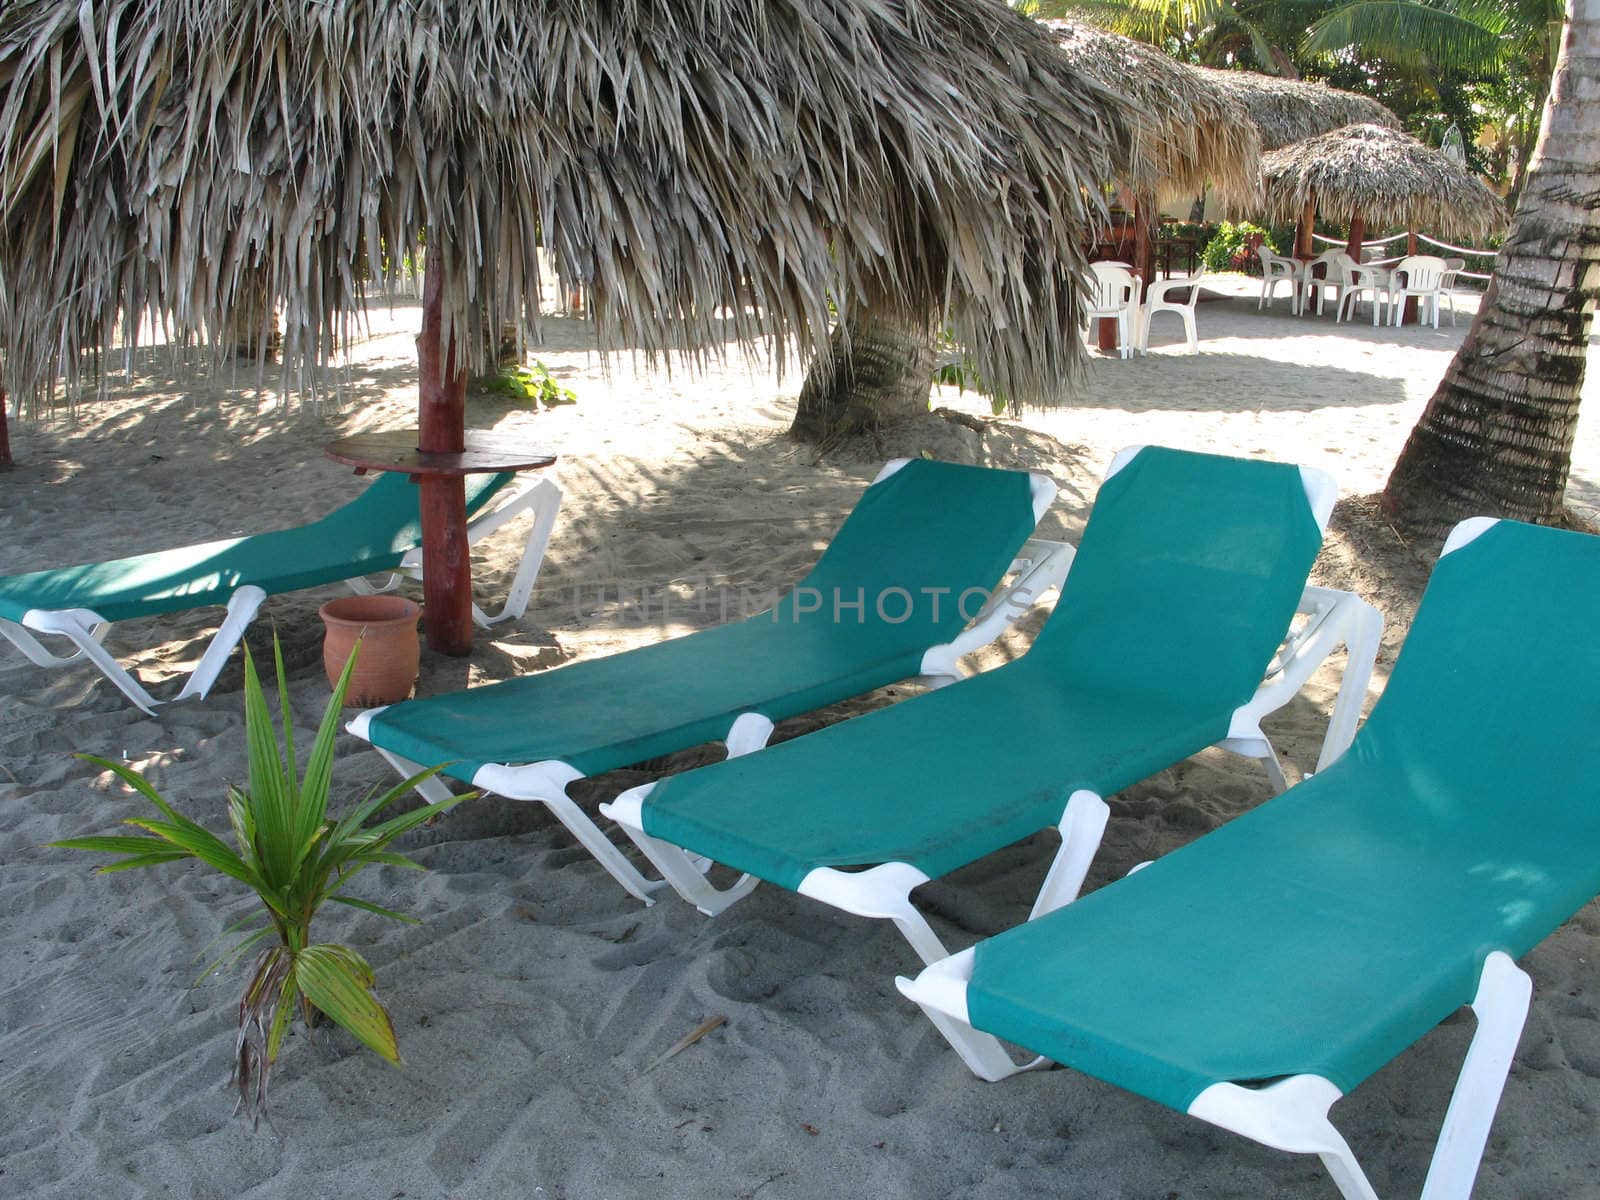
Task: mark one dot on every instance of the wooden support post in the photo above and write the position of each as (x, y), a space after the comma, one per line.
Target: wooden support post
(1144, 246)
(446, 557)
(1358, 230)
(6, 462)
(1304, 247)
(1410, 316)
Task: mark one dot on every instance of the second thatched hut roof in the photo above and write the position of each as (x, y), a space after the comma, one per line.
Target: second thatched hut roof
(1370, 171)
(1187, 133)
(1290, 110)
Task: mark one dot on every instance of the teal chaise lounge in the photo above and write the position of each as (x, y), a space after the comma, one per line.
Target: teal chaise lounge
(888, 600)
(1187, 579)
(1258, 974)
(377, 531)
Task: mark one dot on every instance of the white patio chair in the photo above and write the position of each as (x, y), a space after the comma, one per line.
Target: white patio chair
(1447, 288)
(1157, 300)
(1276, 269)
(1419, 275)
(1330, 264)
(1116, 297)
(1363, 280)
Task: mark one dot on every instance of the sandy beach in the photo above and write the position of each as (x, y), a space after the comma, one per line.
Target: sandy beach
(536, 999)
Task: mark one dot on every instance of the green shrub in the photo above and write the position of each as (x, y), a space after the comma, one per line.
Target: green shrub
(532, 382)
(1229, 249)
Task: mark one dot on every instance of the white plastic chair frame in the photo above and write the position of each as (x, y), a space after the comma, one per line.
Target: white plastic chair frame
(884, 891)
(1156, 301)
(1447, 286)
(1363, 279)
(1276, 269)
(86, 629)
(1333, 264)
(1424, 276)
(1116, 298)
(1039, 566)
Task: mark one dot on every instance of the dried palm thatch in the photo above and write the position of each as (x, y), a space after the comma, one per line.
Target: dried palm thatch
(1291, 110)
(716, 170)
(1367, 170)
(1188, 135)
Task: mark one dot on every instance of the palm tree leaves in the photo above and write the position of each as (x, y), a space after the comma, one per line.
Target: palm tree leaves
(1414, 35)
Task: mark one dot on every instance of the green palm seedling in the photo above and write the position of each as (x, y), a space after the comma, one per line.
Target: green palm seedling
(294, 856)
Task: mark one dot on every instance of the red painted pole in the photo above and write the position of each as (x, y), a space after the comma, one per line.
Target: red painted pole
(442, 419)
(1304, 247)
(6, 462)
(1358, 231)
(1411, 301)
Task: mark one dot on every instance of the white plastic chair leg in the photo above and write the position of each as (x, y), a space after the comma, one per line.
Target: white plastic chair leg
(85, 630)
(1501, 1008)
(941, 992)
(682, 873)
(242, 608)
(1292, 1114)
(884, 892)
(544, 498)
(1082, 826)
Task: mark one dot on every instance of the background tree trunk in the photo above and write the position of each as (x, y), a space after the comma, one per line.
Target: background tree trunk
(5, 435)
(886, 373)
(1496, 438)
(253, 324)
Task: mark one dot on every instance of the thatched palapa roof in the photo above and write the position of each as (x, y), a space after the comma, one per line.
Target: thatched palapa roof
(1370, 171)
(716, 169)
(1187, 133)
(1291, 110)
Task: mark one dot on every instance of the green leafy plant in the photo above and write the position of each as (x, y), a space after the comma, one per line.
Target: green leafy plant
(529, 383)
(294, 856)
(1229, 249)
(955, 368)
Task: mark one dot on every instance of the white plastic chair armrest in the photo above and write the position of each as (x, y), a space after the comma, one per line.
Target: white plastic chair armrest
(1335, 617)
(1043, 565)
(943, 985)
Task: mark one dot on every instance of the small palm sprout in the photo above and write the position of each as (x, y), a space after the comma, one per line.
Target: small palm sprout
(294, 856)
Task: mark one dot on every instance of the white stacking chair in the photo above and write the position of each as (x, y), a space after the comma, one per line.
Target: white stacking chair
(1314, 285)
(1158, 300)
(1116, 297)
(1452, 268)
(1419, 275)
(1362, 279)
(1276, 269)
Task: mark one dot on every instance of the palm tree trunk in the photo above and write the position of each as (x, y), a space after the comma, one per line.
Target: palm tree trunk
(6, 462)
(881, 369)
(1496, 438)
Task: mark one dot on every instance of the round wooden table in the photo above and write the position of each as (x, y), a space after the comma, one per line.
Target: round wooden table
(442, 502)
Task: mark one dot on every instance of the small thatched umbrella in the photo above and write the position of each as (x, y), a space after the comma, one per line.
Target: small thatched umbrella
(1368, 168)
(733, 166)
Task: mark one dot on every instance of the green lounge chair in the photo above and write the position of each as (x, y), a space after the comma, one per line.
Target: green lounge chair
(888, 600)
(377, 531)
(1186, 581)
(1261, 972)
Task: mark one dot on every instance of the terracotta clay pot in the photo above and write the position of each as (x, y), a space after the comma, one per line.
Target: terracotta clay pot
(386, 668)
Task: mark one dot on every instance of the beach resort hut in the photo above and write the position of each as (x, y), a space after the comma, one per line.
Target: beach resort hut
(1360, 169)
(727, 170)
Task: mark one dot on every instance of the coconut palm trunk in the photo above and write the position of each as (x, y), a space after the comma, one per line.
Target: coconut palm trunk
(5, 435)
(1496, 438)
(880, 369)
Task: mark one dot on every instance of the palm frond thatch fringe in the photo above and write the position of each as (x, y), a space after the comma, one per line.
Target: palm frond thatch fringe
(712, 171)
(1373, 172)
(1291, 110)
(1188, 135)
